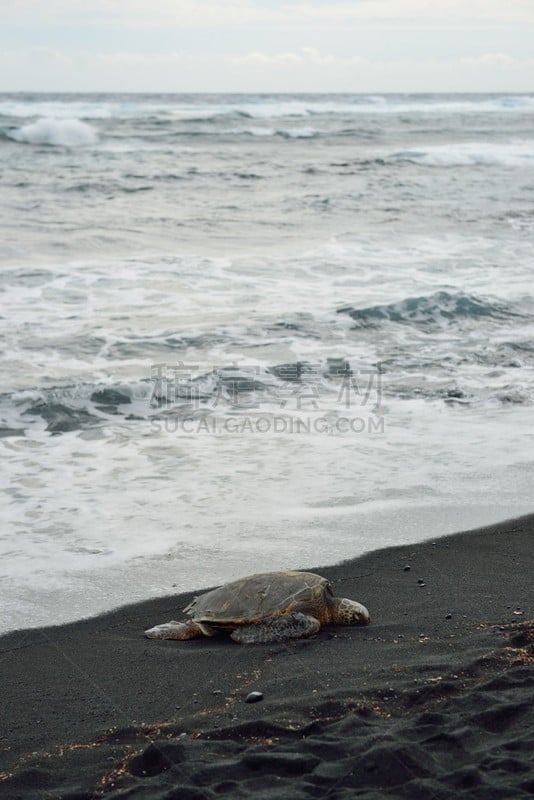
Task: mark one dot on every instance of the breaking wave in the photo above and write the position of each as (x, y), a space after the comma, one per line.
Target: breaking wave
(514, 154)
(55, 132)
(435, 309)
(268, 107)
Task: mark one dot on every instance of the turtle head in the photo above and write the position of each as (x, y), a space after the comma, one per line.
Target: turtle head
(349, 612)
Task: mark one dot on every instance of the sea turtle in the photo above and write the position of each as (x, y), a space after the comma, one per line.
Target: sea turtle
(268, 607)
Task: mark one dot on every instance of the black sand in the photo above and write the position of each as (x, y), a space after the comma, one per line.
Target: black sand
(433, 700)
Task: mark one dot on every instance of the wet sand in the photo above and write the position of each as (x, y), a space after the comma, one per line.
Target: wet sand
(434, 699)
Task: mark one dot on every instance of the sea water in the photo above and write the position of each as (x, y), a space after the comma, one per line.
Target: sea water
(255, 332)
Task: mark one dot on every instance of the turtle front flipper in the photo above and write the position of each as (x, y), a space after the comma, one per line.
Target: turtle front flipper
(175, 630)
(278, 629)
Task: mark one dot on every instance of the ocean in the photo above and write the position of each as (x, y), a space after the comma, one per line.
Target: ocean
(251, 332)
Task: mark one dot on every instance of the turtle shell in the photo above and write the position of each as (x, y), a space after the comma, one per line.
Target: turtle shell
(268, 594)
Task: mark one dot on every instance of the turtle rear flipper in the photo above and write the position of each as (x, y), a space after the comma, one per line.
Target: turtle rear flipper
(278, 629)
(175, 630)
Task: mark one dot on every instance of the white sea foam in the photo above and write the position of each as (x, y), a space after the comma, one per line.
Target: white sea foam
(148, 512)
(252, 130)
(262, 108)
(512, 154)
(57, 109)
(298, 133)
(59, 132)
(364, 104)
(287, 133)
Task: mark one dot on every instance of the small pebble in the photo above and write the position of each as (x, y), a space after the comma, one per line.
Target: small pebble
(420, 581)
(518, 613)
(254, 697)
(407, 568)
(448, 616)
(217, 691)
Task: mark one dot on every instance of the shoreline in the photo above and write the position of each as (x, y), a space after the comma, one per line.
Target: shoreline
(94, 709)
(99, 591)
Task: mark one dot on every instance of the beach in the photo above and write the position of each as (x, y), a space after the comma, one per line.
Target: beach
(432, 700)
(255, 328)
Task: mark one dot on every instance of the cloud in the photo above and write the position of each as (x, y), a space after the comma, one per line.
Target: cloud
(301, 70)
(475, 12)
(499, 60)
(142, 59)
(136, 13)
(306, 55)
(231, 13)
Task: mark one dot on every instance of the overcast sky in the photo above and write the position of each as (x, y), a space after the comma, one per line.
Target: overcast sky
(267, 45)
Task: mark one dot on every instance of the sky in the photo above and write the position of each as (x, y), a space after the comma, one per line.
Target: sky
(267, 45)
